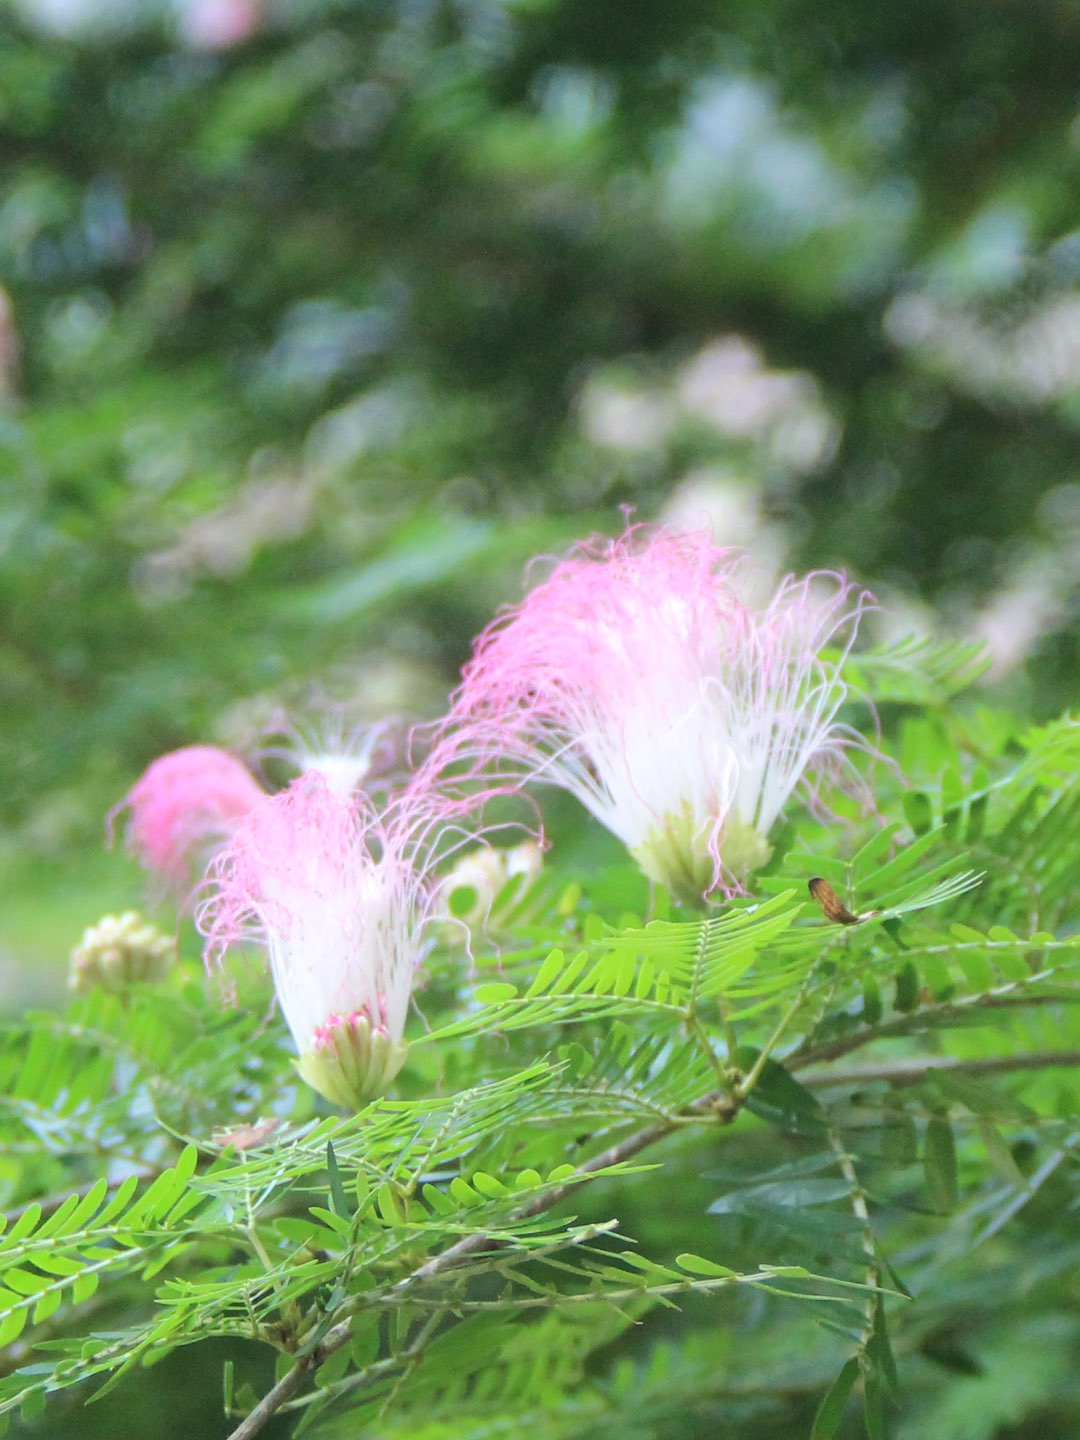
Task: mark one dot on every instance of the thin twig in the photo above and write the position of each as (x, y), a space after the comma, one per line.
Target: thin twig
(861, 1210)
(754, 1074)
(340, 1334)
(927, 1018)
(908, 1072)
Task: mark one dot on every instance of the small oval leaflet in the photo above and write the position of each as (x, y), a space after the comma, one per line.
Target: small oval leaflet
(494, 992)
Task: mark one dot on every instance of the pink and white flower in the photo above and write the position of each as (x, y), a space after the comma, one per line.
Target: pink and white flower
(637, 679)
(184, 804)
(348, 755)
(339, 895)
(188, 802)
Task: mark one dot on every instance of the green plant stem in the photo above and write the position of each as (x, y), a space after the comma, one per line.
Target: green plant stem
(760, 1279)
(699, 1035)
(861, 1211)
(754, 1073)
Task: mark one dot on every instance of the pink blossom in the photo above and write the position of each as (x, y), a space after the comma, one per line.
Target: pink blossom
(636, 678)
(219, 24)
(184, 803)
(339, 896)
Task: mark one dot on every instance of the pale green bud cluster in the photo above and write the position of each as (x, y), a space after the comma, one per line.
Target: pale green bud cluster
(483, 873)
(119, 951)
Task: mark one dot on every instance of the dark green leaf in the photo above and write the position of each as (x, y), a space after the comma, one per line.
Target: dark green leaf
(338, 1198)
(781, 1099)
(907, 988)
(831, 1410)
(939, 1160)
(874, 1407)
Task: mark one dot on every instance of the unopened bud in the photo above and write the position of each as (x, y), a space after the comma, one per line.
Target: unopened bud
(120, 950)
(485, 872)
(351, 1060)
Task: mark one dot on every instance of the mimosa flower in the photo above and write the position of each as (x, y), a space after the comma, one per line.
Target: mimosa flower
(636, 678)
(347, 755)
(184, 804)
(339, 895)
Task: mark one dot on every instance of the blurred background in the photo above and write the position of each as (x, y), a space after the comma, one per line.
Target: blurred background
(317, 320)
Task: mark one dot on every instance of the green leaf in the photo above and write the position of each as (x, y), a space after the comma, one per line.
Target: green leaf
(799, 1193)
(779, 1098)
(488, 1185)
(462, 900)
(13, 1323)
(338, 1223)
(907, 988)
(85, 1286)
(874, 1407)
(338, 1199)
(879, 1351)
(871, 1000)
(900, 1140)
(698, 1265)
(919, 812)
(391, 1205)
(463, 1193)
(939, 1160)
(494, 991)
(917, 670)
(424, 553)
(334, 1367)
(831, 1410)
(24, 1225)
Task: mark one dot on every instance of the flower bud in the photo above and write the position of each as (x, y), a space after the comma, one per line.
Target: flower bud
(119, 951)
(351, 1061)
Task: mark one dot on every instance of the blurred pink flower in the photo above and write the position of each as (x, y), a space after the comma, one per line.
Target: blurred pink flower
(185, 803)
(219, 24)
(636, 678)
(339, 895)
